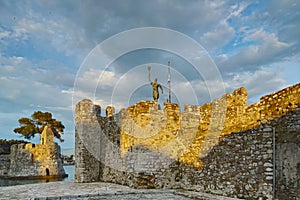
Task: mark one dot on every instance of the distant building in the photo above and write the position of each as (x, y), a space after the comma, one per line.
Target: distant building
(34, 159)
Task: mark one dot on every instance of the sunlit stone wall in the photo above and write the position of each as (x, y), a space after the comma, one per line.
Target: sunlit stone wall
(224, 147)
(191, 134)
(36, 159)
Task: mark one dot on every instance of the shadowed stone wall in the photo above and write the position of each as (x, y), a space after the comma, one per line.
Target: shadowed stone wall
(241, 165)
(287, 155)
(87, 143)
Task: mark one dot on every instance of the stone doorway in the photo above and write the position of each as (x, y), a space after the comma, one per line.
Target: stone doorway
(47, 172)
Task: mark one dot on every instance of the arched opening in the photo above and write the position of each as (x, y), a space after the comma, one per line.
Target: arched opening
(47, 172)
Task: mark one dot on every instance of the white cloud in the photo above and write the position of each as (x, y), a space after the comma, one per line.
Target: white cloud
(205, 94)
(36, 27)
(60, 33)
(237, 9)
(257, 83)
(21, 96)
(26, 93)
(3, 33)
(250, 58)
(47, 72)
(268, 40)
(92, 78)
(217, 37)
(78, 29)
(27, 87)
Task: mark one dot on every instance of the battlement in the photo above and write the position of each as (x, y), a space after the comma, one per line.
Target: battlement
(197, 129)
(108, 148)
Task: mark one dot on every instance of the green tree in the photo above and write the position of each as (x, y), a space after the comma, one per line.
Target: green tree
(36, 124)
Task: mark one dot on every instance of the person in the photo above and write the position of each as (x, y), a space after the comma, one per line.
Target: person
(155, 87)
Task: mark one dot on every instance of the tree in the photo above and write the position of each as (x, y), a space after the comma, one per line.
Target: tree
(36, 124)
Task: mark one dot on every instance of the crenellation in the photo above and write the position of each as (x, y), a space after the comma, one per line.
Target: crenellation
(110, 111)
(193, 109)
(280, 103)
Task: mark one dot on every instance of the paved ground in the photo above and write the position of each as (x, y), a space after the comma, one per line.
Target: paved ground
(70, 190)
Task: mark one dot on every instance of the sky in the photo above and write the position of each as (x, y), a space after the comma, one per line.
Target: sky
(55, 53)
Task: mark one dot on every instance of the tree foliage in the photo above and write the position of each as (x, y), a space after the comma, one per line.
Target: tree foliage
(36, 124)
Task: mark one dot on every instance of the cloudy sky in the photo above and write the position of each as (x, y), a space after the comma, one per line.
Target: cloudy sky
(53, 53)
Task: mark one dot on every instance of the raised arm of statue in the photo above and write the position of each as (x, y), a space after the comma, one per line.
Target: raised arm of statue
(149, 68)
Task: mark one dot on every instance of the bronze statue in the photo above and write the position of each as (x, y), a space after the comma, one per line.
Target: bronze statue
(155, 86)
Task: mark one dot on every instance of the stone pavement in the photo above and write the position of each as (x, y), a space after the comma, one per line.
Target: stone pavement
(99, 190)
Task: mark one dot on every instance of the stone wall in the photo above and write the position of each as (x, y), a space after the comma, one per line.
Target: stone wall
(224, 147)
(22, 161)
(287, 155)
(87, 134)
(241, 165)
(36, 159)
(191, 134)
(4, 165)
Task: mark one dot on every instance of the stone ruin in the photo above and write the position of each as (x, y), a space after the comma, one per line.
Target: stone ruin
(35, 160)
(224, 147)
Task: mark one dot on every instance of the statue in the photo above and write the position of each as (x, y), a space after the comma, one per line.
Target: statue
(155, 86)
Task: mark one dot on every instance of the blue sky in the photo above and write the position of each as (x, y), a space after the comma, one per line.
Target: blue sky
(254, 44)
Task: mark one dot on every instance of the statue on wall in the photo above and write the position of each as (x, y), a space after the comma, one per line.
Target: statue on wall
(155, 86)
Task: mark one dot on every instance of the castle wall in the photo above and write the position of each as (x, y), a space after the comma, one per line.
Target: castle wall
(224, 147)
(35, 159)
(87, 134)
